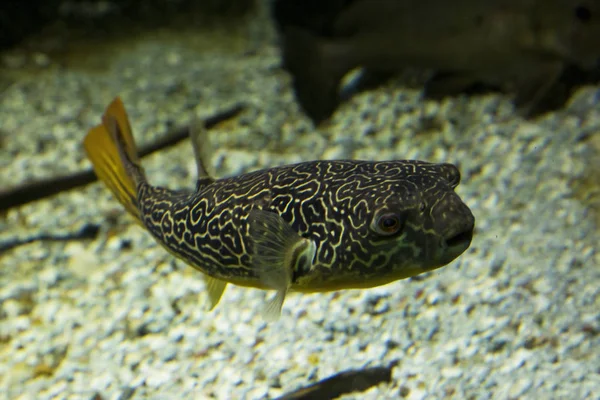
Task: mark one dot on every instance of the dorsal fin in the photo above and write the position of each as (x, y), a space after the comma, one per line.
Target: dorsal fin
(198, 135)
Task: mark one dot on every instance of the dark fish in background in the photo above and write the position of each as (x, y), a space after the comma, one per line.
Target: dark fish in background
(317, 16)
(523, 46)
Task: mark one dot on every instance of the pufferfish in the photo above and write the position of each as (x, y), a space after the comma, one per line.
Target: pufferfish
(313, 226)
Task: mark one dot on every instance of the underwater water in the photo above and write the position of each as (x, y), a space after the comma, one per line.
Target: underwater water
(115, 316)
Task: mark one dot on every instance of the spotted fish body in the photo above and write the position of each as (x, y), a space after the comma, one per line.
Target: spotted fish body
(308, 227)
(328, 202)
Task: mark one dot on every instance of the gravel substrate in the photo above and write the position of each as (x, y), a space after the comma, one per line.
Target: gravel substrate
(516, 317)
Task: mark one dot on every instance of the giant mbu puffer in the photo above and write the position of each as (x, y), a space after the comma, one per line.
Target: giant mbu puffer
(308, 227)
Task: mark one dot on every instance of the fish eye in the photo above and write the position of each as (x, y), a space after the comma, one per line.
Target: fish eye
(583, 14)
(387, 224)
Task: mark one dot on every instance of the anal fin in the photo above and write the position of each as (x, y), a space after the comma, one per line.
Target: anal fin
(215, 288)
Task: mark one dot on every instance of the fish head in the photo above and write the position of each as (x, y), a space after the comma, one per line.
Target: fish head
(571, 30)
(416, 222)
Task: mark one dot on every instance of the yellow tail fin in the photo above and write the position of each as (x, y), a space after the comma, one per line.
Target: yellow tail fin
(111, 149)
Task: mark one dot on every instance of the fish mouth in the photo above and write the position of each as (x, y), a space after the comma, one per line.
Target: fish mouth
(460, 240)
(455, 245)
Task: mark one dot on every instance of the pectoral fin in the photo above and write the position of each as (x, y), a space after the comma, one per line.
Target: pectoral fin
(278, 251)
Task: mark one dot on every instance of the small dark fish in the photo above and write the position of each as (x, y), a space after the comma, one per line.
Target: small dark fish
(521, 45)
(356, 380)
(308, 227)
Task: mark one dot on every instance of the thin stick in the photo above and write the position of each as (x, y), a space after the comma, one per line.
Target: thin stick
(43, 188)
